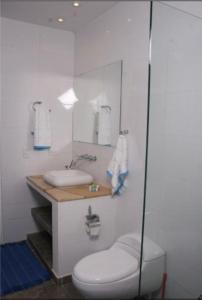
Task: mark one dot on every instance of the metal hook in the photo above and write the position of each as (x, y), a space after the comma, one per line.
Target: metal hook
(124, 132)
(107, 107)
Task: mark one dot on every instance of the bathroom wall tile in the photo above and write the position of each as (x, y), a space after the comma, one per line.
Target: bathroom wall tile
(124, 32)
(81, 245)
(174, 190)
(103, 155)
(17, 211)
(17, 229)
(17, 88)
(14, 33)
(123, 16)
(176, 291)
(32, 71)
(186, 277)
(56, 42)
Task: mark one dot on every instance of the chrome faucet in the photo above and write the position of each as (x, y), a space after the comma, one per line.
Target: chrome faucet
(87, 157)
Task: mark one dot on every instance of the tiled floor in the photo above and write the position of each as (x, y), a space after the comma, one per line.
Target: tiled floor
(48, 290)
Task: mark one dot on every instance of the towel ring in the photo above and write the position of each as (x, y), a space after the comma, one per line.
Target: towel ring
(35, 103)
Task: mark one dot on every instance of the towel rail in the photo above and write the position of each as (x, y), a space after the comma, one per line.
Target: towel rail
(106, 107)
(35, 103)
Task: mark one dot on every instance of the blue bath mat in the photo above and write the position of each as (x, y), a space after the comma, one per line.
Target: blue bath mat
(20, 268)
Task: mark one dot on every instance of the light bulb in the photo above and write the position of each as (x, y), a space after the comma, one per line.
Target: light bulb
(76, 4)
(60, 20)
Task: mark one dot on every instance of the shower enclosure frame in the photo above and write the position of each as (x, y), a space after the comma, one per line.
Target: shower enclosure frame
(146, 147)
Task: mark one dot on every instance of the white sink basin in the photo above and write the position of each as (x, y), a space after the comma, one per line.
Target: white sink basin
(67, 177)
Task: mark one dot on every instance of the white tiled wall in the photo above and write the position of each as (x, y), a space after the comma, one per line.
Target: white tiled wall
(37, 64)
(1, 223)
(174, 190)
(120, 34)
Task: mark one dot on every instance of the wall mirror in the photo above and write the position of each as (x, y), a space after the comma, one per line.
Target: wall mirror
(97, 113)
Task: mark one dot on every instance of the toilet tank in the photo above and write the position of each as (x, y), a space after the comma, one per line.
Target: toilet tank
(151, 250)
(153, 265)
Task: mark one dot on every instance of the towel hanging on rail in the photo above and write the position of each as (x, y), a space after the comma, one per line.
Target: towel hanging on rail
(42, 128)
(118, 166)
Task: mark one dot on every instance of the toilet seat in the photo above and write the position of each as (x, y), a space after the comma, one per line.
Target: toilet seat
(106, 266)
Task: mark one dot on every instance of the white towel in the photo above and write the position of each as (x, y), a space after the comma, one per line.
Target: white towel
(118, 167)
(104, 126)
(42, 128)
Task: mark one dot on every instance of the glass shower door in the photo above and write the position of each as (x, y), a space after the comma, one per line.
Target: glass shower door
(174, 178)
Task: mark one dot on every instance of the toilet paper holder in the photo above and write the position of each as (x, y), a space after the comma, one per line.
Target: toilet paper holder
(93, 224)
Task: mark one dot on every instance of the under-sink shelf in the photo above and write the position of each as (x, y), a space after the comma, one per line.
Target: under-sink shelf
(41, 242)
(43, 216)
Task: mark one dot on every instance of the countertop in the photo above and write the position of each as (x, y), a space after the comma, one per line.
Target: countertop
(69, 193)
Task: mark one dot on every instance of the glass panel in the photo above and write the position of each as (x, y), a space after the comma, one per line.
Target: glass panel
(174, 180)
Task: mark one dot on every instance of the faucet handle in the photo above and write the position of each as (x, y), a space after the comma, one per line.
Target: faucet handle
(71, 165)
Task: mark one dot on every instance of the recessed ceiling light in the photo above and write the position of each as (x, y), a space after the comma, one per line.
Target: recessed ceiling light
(76, 3)
(60, 20)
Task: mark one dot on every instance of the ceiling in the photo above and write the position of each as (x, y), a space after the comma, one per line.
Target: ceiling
(46, 12)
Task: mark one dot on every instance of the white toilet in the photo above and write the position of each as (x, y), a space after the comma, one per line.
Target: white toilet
(114, 273)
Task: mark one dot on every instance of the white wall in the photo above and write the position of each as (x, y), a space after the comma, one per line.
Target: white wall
(1, 223)
(37, 64)
(174, 193)
(1, 220)
(191, 7)
(120, 34)
(70, 240)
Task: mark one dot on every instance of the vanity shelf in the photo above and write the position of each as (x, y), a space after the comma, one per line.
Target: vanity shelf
(65, 212)
(43, 216)
(41, 242)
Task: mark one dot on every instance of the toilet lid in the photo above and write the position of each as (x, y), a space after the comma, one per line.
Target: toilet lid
(106, 266)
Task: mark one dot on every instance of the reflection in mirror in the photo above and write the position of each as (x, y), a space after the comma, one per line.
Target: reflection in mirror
(96, 116)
